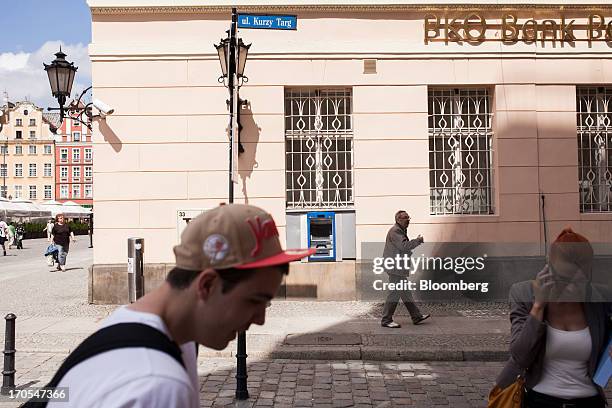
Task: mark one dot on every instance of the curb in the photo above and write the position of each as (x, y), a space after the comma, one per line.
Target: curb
(365, 354)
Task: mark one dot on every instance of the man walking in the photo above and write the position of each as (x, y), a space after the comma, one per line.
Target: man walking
(229, 265)
(4, 231)
(397, 243)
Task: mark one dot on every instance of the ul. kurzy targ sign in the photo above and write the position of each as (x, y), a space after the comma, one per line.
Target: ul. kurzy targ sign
(270, 22)
(508, 28)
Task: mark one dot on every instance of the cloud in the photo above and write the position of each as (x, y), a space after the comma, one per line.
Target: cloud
(23, 77)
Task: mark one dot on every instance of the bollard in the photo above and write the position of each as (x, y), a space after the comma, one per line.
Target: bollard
(135, 269)
(8, 373)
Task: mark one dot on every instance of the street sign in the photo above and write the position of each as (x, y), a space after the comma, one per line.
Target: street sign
(267, 22)
(183, 218)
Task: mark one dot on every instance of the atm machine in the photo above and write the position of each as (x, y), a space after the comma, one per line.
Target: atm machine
(321, 227)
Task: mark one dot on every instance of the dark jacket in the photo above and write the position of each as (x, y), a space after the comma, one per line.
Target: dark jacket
(397, 243)
(528, 336)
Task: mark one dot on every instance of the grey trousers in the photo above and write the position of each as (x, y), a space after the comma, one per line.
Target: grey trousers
(392, 299)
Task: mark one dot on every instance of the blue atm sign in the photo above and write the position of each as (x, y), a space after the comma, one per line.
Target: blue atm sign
(272, 22)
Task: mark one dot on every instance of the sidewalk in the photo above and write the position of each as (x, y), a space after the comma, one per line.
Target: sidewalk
(321, 330)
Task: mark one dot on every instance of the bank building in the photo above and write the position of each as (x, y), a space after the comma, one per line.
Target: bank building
(489, 122)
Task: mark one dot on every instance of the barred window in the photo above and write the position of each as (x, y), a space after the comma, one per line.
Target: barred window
(460, 151)
(319, 148)
(594, 130)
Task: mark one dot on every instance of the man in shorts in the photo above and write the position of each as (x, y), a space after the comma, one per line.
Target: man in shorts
(229, 265)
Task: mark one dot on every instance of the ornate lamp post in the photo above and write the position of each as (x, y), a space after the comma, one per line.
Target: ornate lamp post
(61, 76)
(232, 56)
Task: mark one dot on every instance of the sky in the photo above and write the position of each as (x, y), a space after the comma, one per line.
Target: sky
(31, 31)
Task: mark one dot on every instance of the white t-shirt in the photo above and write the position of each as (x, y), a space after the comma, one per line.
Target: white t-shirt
(133, 377)
(565, 373)
(3, 229)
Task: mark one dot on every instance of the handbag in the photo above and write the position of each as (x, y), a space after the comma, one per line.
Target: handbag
(510, 397)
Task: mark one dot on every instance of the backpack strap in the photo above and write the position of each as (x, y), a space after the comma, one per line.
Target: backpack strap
(121, 335)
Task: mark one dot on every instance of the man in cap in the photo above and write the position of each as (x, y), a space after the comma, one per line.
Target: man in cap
(229, 265)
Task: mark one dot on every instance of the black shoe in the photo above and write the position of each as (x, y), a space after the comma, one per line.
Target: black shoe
(420, 319)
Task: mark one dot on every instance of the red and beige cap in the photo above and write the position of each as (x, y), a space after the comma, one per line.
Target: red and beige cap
(233, 236)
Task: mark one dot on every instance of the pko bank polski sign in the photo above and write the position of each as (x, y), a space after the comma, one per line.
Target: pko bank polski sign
(270, 22)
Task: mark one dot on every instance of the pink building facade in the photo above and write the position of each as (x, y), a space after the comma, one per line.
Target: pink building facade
(488, 123)
(74, 163)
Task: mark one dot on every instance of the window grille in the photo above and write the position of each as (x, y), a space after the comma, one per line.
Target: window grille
(594, 131)
(319, 148)
(460, 151)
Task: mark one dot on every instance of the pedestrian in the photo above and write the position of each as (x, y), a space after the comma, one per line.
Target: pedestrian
(560, 330)
(11, 237)
(19, 235)
(61, 235)
(397, 243)
(3, 234)
(229, 265)
(49, 228)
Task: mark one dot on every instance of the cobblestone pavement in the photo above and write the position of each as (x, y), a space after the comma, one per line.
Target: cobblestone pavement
(318, 383)
(283, 383)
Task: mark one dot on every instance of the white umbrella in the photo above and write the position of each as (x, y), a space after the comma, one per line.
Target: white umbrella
(5, 207)
(28, 209)
(76, 208)
(53, 206)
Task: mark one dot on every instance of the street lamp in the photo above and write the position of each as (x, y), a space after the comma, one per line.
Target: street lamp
(61, 76)
(223, 49)
(232, 56)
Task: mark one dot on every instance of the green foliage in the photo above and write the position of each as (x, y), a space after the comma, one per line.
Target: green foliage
(35, 229)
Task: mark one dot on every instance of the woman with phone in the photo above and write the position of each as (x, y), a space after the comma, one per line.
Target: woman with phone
(560, 329)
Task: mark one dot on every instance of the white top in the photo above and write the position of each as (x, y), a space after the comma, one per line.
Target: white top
(133, 377)
(3, 228)
(565, 373)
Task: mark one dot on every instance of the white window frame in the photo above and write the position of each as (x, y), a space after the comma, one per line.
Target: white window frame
(88, 191)
(48, 149)
(48, 192)
(48, 170)
(32, 150)
(88, 172)
(20, 152)
(33, 192)
(76, 173)
(88, 154)
(64, 173)
(18, 170)
(76, 188)
(63, 155)
(18, 192)
(76, 136)
(32, 170)
(64, 191)
(76, 155)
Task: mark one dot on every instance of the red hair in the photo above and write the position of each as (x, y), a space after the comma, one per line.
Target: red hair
(572, 247)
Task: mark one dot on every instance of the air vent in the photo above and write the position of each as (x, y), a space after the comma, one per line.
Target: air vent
(369, 66)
